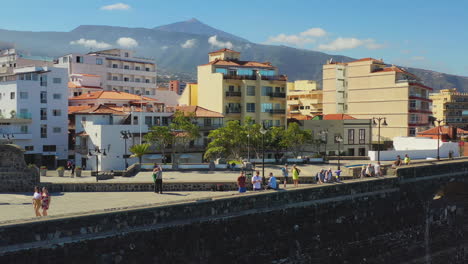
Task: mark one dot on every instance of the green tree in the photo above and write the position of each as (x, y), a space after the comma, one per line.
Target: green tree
(161, 137)
(228, 141)
(295, 139)
(139, 150)
(275, 141)
(184, 129)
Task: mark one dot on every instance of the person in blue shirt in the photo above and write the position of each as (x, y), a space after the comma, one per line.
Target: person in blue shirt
(272, 184)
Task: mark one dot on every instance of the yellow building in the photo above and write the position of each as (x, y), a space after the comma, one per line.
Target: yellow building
(304, 100)
(189, 96)
(238, 89)
(367, 88)
(451, 107)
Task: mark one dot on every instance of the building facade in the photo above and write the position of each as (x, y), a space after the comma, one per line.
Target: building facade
(33, 112)
(11, 59)
(238, 89)
(367, 88)
(118, 70)
(451, 107)
(304, 100)
(355, 134)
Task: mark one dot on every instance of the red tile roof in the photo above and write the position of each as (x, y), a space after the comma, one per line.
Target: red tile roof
(113, 95)
(240, 63)
(77, 108)
(73, 85)
(443, 130)
(97, 109)
(395, 69)
(199, 111)
(337, 117)
(223, 50)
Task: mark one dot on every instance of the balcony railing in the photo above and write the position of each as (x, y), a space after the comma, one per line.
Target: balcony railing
(277, 111)
(240, 77)
(233, 94)
(24, 116)
(277, 95)
(233, 111)
(275, 78)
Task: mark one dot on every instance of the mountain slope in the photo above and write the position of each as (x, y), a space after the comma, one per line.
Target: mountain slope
(194, 26)
(168, 50)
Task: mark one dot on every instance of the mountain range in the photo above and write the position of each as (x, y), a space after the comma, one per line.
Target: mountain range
(179, 47)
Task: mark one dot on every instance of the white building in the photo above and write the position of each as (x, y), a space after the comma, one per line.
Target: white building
(118, 69)
(97, 118)
(11, 59)
(33, 107)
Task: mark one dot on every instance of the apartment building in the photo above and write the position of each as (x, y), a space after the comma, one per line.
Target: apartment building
(367, 88)
(11, 59)
(451, 107)
(177, 86)
(118, 70)
(97, 120)
(238, 89)
(33, 113)
(304, 100)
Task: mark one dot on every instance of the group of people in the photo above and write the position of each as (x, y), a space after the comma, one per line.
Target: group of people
(371, 170)
(157, 178)
(270, 183)
(398, 162)
(41, 200)
(326, 176)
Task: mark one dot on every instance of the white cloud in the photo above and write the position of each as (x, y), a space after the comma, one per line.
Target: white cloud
(127, 43)
(213, 40)
(300, 39)
(91, 43)
(164, 47)
(190, 43)
(350, 43)
(118, 6)
(314, 32)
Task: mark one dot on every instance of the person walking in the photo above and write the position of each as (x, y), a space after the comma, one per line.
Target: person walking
(157, 178)
(36, 201)
(295, 172)
(241, 182)
(285, 172)
(407, 159)
(45, 198)
(257, 181)
(73, 166)
(318, 176)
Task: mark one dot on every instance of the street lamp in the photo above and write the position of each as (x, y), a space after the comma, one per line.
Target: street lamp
(379, 121)
(263, 130)
(339, 139)
(125, 135)
(96, 152)
(8, 137)
(438, 136)
(323, 134)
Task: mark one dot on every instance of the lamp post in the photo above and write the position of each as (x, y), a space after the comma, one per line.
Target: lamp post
(248, 147)
(96, 152)
(339, 139)
(379, 121)
(125, 135)
(263, 130)
(8, 137)
(438, 137)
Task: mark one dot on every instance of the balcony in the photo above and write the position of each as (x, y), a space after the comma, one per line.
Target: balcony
(233, 94)
(277, 95)
(275, 78)
(277, 111)
(233, 111)
(15, 135)
(239, 77)
(293, 102)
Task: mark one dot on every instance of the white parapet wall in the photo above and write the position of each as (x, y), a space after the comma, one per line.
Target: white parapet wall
(417, 148)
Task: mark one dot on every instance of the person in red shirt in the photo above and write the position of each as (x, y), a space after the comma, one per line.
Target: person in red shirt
(241, 182)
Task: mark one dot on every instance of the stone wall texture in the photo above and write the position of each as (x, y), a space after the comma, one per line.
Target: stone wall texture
(15, 176)
(418, 217)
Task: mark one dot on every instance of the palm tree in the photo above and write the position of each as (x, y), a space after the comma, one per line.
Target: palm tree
(139, 150)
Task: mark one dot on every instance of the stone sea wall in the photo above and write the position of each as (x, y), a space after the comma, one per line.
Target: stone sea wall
(15, 176)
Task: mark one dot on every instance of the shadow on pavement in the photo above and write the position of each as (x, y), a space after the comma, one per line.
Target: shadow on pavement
(176, 194)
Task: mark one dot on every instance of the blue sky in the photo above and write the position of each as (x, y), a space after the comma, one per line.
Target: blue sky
(427, 34)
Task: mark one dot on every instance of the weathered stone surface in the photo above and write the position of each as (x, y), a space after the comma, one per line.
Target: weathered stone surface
(15, 176)
(392, 220)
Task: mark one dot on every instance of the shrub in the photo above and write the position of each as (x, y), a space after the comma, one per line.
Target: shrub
(61, 168)
(43, 167)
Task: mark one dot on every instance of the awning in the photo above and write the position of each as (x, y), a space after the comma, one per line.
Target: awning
(185, 156)
(155, 156)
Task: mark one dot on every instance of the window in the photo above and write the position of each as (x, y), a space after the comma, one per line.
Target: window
(221, 70)
(57, 96)
(148, 120)
(137, 79)
(137, 68)
(250, 90)
(147, 81)
(266, 107)
(43, 113)
(24, 129)
(147, 69)
(65, 59)
(115, 66)
(115, 78)
(207, 122)
(57, 130)
(250, 107)
(231, 88)
(83, 119)
(43, 131)
(23, 95)
(277, 123)
(350, 136)
(57, 80)
(29, 148)
(126, 54)
(412, 132)
(126, 79)
(412, 104)
(126, 67)
(12, 95)
(99, 61)
(79, 59)
(57, 112)
(43, 80)
(28, 77)
(362, 136)
(267, 90)
(147, 93)
(49, 148)
(43, 97)
(268, 123)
